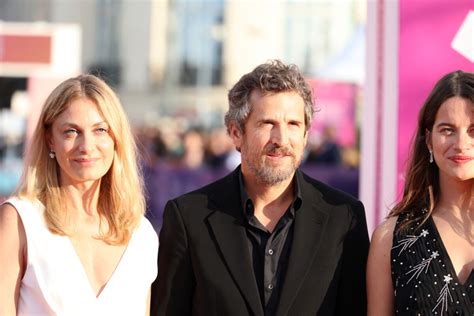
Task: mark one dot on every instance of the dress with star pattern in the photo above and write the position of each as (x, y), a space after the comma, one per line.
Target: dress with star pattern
(424, 279)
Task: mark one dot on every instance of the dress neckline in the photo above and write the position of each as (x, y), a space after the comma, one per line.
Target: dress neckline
(85, 277)
(448, 262)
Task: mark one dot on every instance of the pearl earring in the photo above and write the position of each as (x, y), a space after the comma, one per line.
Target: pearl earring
(431, 156)
(52, 154)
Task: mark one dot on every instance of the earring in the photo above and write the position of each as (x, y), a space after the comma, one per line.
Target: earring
(431, 156)
(52, 154)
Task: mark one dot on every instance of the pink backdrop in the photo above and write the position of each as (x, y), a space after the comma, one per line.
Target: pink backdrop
(336, 103)
(427, 28)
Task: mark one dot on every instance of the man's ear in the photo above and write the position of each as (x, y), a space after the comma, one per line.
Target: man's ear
(428, 139)
(306, 134)
(236, 135)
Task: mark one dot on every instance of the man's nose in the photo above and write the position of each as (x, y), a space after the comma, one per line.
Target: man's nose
(280, 136)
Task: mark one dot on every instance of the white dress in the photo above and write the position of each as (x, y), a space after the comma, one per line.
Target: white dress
(55, 282)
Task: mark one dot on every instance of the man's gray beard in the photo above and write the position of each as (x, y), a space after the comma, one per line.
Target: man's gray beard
(272, 176)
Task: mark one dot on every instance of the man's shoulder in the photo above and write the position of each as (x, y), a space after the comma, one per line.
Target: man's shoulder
(341, 206)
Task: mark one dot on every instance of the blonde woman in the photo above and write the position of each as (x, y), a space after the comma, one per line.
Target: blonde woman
(73, 238)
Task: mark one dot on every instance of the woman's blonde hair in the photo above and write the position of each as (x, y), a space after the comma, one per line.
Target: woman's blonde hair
(121, 201)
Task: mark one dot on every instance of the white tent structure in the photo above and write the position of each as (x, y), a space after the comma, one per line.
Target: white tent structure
(349, 64)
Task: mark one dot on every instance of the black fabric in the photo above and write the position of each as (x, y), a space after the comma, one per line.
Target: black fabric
(269, 251)
(204, 266)
(424, 280)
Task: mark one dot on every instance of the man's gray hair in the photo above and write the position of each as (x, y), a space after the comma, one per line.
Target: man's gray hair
(271, 77)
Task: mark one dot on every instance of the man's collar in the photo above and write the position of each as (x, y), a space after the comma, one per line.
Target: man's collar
(247, 202)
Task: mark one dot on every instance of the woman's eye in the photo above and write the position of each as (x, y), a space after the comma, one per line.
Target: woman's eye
(70, 132)
(447, 131)
(102, 130)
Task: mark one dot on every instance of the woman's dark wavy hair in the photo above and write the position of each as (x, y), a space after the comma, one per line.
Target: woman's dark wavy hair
(422, 191)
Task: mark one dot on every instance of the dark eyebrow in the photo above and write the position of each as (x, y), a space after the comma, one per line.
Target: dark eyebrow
(266, 120)
(296, 121)
(444, 124)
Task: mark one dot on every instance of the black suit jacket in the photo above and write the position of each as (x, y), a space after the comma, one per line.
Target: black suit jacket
(204, 265)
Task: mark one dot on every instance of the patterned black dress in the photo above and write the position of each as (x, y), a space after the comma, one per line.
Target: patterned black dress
(424, 279)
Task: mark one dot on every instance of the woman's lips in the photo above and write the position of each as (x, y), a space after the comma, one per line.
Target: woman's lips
(85, 161)
(461, 159)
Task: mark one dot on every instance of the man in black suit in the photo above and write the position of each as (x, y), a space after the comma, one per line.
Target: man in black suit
(266, 239)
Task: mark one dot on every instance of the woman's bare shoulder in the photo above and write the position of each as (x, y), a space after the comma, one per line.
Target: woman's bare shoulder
(11, 224)
(8, 214)
(383, 234)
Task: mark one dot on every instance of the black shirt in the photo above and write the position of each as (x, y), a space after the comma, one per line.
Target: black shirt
(269, 251)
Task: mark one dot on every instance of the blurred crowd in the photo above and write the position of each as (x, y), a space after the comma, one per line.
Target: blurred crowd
(177, 159)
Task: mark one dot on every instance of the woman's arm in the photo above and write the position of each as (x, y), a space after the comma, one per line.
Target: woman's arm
(380, 295)
(12, 258)
(147, 311)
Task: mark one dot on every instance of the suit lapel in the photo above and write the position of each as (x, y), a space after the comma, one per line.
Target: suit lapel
(310, 222)
(230, 236)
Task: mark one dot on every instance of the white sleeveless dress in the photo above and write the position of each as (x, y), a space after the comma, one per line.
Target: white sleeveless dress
(55, 282)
